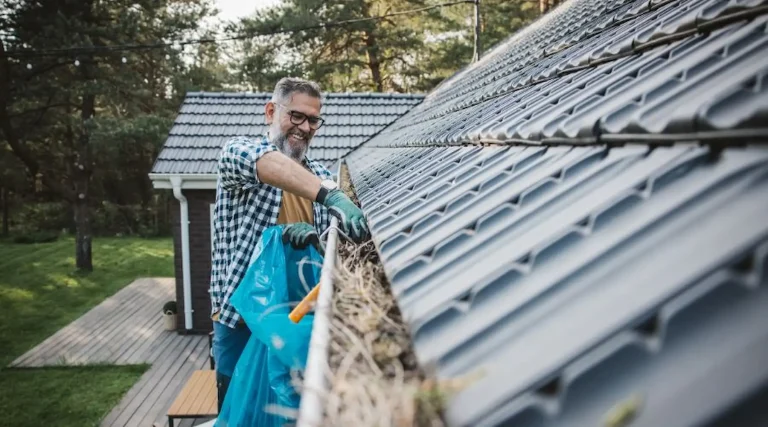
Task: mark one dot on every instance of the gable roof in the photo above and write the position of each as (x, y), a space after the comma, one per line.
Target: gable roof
(207, 119)
(574, 221)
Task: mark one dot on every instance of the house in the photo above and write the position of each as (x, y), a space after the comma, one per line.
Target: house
(577, 224)
(187, 166)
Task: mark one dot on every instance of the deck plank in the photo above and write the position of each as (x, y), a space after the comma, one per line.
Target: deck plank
(132, 332)
(59, 341)
(163, 393)
(128, 331)
(121, 324)
(157, 412)
(137, 394)
(151, 334)
(117, 330)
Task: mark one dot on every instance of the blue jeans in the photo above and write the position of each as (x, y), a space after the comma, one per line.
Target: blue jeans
(228, 345)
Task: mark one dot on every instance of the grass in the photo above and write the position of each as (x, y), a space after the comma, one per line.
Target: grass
(63, 397)
(41, 292)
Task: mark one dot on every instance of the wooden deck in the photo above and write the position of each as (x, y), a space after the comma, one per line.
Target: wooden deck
(127, 329)
(147, 402)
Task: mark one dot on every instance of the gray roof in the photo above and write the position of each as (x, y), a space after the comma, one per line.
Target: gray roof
(208, 119)
(607, 253)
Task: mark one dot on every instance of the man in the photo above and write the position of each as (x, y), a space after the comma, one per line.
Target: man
(264, 182)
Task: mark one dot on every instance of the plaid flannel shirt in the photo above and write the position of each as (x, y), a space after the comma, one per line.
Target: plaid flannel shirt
(245, 207)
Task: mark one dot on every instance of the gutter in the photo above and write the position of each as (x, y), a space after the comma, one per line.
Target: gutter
(176, 182)
(189, 181)
(315, 385)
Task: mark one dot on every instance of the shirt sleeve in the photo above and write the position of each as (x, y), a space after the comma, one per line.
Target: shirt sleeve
(237, 162)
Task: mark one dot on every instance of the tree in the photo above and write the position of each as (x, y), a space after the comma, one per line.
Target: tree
(364, 56)
(50, 111)
(546, 5)
(13, 178)
(403, 53)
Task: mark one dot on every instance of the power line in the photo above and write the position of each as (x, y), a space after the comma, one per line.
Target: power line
(83, 50)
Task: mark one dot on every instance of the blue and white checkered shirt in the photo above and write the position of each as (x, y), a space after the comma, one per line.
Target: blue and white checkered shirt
(245, 207)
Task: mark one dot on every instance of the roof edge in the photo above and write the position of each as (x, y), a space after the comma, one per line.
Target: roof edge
(189, 181)
(238, 94)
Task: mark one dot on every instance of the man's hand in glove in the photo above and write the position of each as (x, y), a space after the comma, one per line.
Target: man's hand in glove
(350, 217)
(301, 235)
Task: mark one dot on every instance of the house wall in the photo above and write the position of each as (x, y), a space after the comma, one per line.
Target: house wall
(199, 202)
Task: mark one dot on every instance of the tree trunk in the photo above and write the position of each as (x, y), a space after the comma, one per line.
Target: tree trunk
(372, 56)
(477, 47)
(547, 5)
(81, 177)
(5, 210)
(83, 259)
(83, 170)
(372, 52)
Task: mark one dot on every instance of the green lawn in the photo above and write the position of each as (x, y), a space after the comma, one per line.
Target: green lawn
(63, 397)
(40, 293)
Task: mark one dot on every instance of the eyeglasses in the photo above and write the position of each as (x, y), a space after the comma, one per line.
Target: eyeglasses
(297, 118)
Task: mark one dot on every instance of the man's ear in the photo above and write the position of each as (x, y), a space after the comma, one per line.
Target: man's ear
(269, 112)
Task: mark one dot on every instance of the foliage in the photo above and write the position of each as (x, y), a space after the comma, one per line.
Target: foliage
(37, 237)
(170, 307)
(77, 142)
(403, 53)
(89, 127)
(43, 216)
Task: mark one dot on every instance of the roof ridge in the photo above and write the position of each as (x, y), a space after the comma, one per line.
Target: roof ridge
(247, 94)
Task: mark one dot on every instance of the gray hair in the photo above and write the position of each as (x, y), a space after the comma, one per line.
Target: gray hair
(287, 86)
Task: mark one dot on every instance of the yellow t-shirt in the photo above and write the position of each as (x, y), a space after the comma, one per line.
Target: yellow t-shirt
(295, 209)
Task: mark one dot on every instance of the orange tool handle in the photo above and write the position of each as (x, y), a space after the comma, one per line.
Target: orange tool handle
(305, 305)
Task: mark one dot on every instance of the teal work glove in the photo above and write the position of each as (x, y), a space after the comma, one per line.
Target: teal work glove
(301, 235)
(350, 217)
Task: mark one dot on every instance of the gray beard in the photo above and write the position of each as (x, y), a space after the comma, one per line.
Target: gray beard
(281, 142)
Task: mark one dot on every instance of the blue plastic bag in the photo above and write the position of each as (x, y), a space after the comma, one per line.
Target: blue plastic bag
(277, 278)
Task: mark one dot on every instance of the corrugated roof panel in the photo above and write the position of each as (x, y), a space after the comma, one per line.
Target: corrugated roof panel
(658, 371)
(652, 276)
(700, 49)
(185, 166)
(569, 230)
(579, 280)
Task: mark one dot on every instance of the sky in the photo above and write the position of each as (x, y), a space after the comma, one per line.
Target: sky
(234, 9)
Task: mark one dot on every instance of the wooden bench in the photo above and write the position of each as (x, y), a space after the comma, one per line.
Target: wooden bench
(198, 398)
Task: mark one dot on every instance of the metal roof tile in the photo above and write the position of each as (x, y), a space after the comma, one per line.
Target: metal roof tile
(477, 245)
(499, 257)
(523, 71)
(207, 120)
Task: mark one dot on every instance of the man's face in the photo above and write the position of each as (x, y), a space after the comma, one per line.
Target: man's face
(291, 139)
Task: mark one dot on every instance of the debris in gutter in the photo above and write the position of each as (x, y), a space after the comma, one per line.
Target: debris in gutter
(374, 377)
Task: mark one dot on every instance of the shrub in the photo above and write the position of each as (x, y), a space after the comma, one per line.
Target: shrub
(170, 306)
(36, 237)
